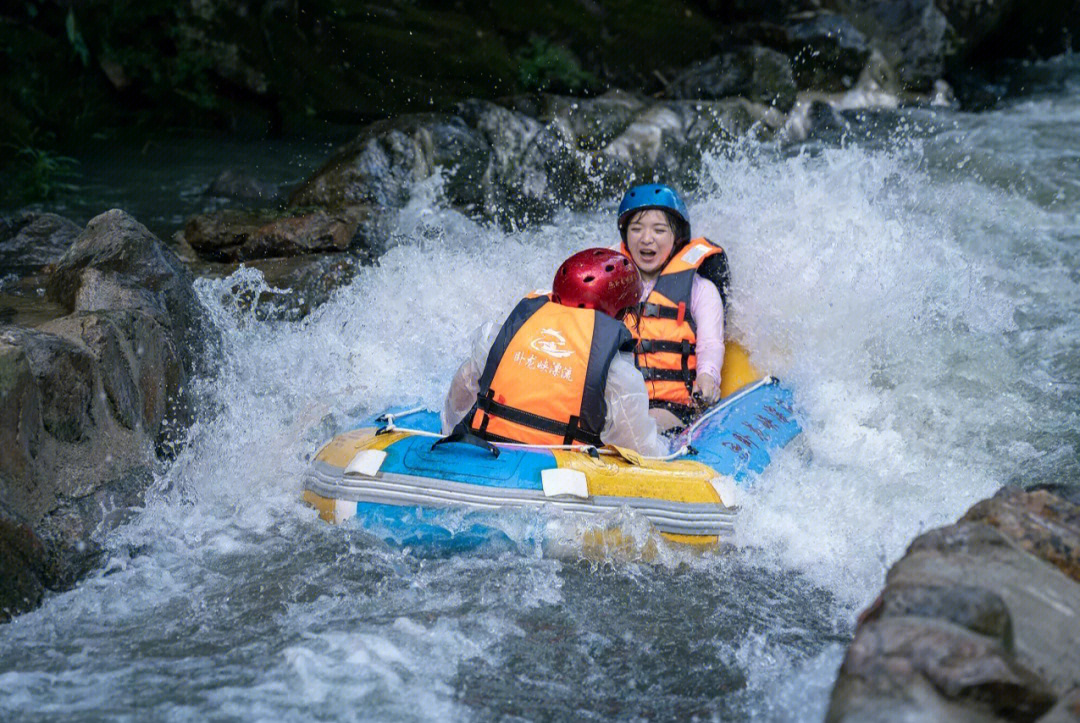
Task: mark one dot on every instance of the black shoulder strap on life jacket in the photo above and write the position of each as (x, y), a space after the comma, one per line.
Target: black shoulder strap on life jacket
(609, 338)
(715, 268)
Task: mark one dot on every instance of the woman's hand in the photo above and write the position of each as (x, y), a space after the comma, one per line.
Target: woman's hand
(708, 388)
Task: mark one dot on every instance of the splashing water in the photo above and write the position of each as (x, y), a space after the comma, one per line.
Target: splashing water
(917, 293)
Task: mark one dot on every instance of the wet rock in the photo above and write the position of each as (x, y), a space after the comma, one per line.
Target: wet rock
(669, 139)
(140, 366)
(1067, 709)
(241, 186)
(976, 622)
(21, 569)
(977, 609)
(916, 669)
(116, 263)
(21, 424)
(31, 240)
(380, 166)
(90, 402)
(759, 74)
(825, 122)
(63, 373)
(231, 235)
(592, 122)
(913, 35)
(297, 284)
(828, 52)
(1042, 523)
(540, 164)
(974, 20)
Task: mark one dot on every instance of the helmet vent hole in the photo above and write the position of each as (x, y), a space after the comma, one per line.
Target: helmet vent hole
(589, 279)
(609, 268)
(581, 306)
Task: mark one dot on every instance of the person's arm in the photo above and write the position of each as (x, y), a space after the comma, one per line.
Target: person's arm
(708, 311)
(466, 382)
(628, 423)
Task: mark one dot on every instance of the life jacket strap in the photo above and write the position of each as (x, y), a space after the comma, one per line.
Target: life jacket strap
(650, 346)
(658, 311)
(569, 431)
(685, 412)
(651, 374)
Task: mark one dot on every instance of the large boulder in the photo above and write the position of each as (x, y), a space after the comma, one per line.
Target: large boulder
(668, 140)
(116, 263)
(976, 622)
(30, 240)
(381, 166)
(90, 402)
(828, 52)
(516, 162)
(231, 235)
(758, 74)
(914, 36)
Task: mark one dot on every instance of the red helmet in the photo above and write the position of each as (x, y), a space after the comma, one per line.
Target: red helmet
(599, 279)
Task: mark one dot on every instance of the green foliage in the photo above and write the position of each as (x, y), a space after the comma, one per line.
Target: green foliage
(547, 66)
(36, 174)
(76, 38)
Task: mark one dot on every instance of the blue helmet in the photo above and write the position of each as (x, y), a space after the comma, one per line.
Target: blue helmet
(649, 196)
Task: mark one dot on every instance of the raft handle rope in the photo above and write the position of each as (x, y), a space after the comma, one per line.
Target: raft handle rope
(685, 450)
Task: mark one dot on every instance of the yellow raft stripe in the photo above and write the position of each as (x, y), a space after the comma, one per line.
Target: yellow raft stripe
(700, 540)
(611, 476)
(324, 505)
(341, 449)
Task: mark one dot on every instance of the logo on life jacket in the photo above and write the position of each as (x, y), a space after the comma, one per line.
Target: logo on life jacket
(552, 343)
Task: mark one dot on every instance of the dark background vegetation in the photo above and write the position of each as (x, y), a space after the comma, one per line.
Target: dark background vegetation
(76, 69)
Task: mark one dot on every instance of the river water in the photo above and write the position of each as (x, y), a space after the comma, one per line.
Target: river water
(915, 282)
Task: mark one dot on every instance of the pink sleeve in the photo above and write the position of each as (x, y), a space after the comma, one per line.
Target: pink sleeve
(708, 311)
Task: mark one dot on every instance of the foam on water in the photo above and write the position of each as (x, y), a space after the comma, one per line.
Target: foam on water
(923, 315)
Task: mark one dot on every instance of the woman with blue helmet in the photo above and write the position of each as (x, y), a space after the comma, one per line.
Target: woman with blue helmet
(680, 331)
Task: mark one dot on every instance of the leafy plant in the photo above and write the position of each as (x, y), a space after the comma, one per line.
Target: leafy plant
(37, 174)
(76, 39)
(547, 66)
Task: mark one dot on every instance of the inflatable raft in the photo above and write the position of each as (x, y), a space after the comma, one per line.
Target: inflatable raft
(395, 478)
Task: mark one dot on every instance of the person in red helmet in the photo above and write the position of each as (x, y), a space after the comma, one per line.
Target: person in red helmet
(559, 370)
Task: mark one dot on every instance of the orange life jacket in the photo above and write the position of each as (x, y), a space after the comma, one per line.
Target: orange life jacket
(545, 375)
(666, 333)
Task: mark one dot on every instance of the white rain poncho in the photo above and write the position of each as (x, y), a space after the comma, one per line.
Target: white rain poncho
(627, 424)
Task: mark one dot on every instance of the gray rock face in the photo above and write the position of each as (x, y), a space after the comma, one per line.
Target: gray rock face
(116, 263)
(913, 35)
(828, 52)
(515, 162)
(87, 399)
(31, 240)
(380, 166)
(976, 622)
(758, 74)
(244, 235)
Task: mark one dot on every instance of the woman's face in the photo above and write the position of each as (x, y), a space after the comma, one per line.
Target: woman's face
(649, 239)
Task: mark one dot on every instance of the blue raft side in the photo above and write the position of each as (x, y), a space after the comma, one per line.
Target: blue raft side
(737, 441)
(518, 468)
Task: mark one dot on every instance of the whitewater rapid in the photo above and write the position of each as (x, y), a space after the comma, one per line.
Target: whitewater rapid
(915, 283)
